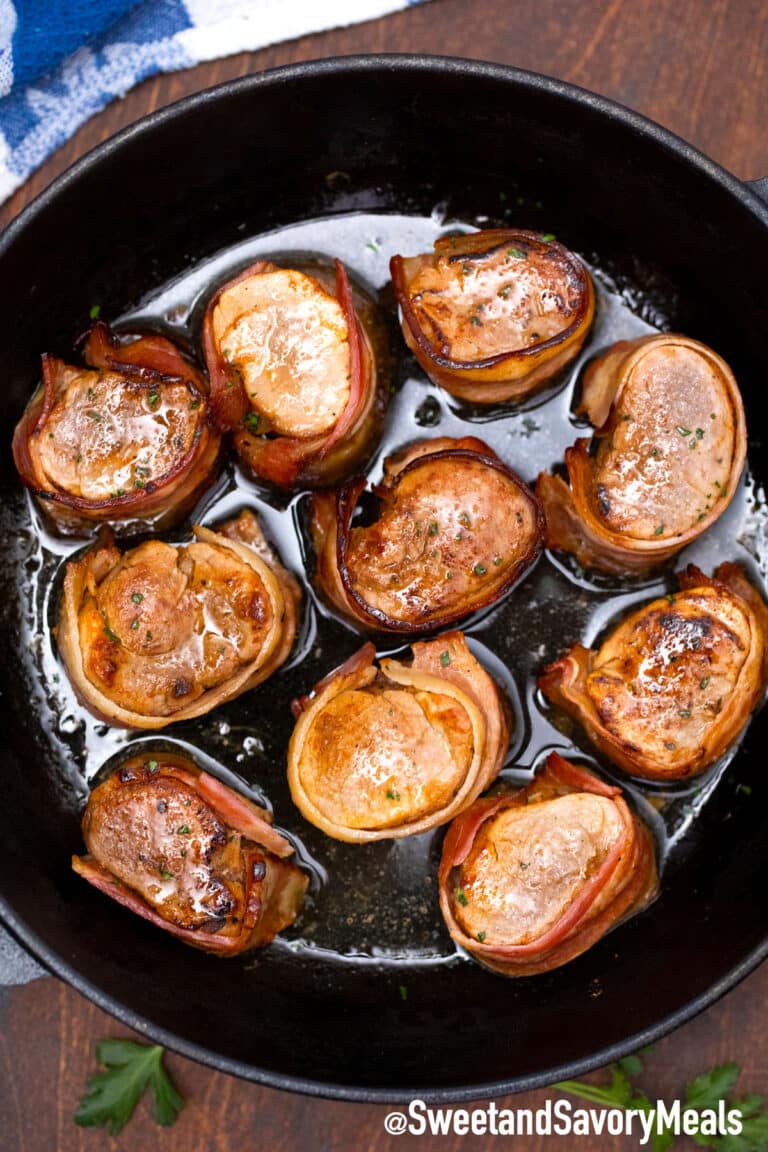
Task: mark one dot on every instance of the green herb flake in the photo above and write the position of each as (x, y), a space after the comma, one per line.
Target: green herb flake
(479, 569)
(137, 597)
(517, 253)
(392, 795)
(481, 936)
(183, 830)
(685, 713)
(95, 416)
(111, 1096)
(699, 433)
(403, 992)
(746, 789)
(152, 765)
(91, 394)
(670, 745)
(111, 635)
(153, 398)
(658, 531)
(703, 683)
(474, 320)
(505, 291)
(462, 897)
(445, 659)
(683, 431)
(252, 421)
(166, 875)
(134, 623)
(94, 311)
(194, 405)
(434, 528)
(466, 269)
(497, 560)
(546, 236)
(524, 864)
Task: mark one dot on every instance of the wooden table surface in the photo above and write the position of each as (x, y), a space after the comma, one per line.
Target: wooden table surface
(699, 67)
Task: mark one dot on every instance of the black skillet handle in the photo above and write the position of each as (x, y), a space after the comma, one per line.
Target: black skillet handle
(759, 187)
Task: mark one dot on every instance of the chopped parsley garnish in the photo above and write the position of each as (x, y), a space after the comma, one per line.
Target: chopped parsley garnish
(658, 531)
(94, 311)
(461, 897)
(134, 623)
(505, 291)
(434, 528)
(699, 433)
(91, 394)
(685, 713)
(137, 597)
(252, 421)
(183, 830)
(166, 875)
(670, 745)
(403, 992)
(111, 635)
(474, 320)
(479, 569)
(517, 253)
(445, 659)
(703, 683)
(152, 765)
(392, 795)
(497, 560)
(153, 398)
(683, 431)
(481, 936)
(95, 416)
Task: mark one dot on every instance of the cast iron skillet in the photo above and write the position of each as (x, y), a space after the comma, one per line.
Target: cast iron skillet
(246, 157)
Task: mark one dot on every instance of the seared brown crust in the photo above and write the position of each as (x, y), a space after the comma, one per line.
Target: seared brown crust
(670, 448)
(616, 877)
(543, 271)
(165, 632)
(126, 376)
(189, 854)
(457, 530)
(674, 684)
(286, 459)
(387, 753)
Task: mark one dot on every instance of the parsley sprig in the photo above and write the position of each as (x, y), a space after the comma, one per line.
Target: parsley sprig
(111, 1096)
(706, 1091)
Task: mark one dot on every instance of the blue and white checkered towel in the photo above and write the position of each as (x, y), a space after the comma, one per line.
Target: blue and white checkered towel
(63, 60)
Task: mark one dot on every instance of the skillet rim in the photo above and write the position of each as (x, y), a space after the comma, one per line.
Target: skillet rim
(748, 196)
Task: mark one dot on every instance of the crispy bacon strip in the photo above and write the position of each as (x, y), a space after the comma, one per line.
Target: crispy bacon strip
(674, 684)
(530, 880)
(391, 752)
(190, 855)
(166, 632)
(493, 315)
(457, 529)
(126, 439)
(273, 453)
(664, 462)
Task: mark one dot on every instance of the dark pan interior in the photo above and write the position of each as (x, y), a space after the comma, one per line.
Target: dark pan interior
(384, 135)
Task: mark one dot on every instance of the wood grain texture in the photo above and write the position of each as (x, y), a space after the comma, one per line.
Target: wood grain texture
(699, 67)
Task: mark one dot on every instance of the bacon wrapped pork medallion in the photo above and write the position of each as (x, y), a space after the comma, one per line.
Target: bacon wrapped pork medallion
(456, 530)
(127, 438)
(491, 316)
(190, 855)
(665, 459)
(385, 752)
(165, 632)
(530, 880)
(293, 373)
(672, 686)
